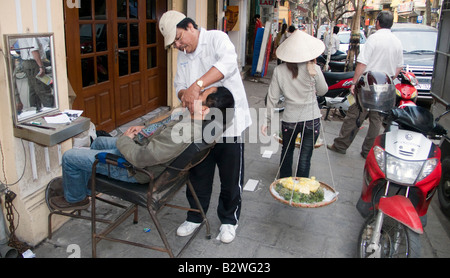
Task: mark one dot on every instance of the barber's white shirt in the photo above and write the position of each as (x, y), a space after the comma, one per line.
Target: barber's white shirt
(215, 49)
(383, 51)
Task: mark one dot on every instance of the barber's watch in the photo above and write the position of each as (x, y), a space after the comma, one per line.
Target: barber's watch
(200, 84)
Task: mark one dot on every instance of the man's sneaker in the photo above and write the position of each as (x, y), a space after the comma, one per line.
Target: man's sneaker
(227, 233)
(60, 203)
(187, 228)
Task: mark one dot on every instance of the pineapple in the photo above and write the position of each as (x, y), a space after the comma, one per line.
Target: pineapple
(302, 185)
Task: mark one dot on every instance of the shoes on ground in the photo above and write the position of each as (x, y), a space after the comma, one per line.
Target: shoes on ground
(227, 233)
(60, 203)
(333, 148)
(187, 228)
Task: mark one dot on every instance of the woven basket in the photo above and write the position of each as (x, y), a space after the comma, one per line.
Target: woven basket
(304, 205)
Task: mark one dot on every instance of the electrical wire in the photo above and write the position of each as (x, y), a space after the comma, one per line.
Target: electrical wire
(3, 167)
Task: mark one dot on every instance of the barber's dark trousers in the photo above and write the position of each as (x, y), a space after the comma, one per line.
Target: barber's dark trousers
(229, 158)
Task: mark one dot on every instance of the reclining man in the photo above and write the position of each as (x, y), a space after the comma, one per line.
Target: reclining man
(162, 147)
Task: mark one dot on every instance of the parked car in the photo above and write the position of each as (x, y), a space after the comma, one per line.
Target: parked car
(419, 45)
(344, 37)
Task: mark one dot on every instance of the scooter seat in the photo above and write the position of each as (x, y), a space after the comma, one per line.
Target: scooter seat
(337, 66)
(339, 57)
(334, 77)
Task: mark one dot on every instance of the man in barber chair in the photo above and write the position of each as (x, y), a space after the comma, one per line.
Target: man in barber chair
(158, 150)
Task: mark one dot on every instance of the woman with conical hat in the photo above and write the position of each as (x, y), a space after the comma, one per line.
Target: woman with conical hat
(300, 80)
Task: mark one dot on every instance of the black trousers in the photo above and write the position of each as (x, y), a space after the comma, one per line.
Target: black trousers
(229, 159)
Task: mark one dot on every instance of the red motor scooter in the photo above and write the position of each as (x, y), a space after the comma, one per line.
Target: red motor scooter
(401, 174)
(338, 95)
(405, 89)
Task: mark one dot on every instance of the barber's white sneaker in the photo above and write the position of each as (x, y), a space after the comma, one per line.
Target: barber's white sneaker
(227, 233)
(187, 228)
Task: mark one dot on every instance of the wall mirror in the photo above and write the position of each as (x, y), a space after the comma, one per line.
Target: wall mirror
(32, 79)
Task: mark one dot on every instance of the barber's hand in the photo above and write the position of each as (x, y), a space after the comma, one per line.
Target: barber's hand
(208, 91)
(189, 96)
(132, 131)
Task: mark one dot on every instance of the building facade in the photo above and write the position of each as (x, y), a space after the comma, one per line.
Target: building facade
(109, 55)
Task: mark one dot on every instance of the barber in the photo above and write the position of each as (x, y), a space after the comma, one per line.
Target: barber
(208, 59)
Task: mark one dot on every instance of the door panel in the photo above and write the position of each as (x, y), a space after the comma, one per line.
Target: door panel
(116, 60)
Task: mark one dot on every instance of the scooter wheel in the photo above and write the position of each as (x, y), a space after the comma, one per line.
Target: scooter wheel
(396, 240)
(444, 188)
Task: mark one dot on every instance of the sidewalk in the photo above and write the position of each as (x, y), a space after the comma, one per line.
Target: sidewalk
(267, 228)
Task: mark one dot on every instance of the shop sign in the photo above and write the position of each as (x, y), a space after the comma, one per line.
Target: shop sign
(266, 2)
(405, 7)
(419, 19)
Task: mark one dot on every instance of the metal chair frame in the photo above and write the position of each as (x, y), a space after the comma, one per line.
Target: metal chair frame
(154, 203)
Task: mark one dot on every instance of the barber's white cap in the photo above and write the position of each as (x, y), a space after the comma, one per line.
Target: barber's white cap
(168, 25)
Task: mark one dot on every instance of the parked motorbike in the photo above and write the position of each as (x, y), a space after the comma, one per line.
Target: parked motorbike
(322, 59)
(405, 89)
(401, 173)
(338, 95)
(444, 185)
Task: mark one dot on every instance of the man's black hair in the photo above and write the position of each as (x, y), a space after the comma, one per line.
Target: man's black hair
(223, 100)
(185, 22)
(336, 29)
(386, 19)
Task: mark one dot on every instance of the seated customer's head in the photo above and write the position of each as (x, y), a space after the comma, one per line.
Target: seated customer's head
(220, 107)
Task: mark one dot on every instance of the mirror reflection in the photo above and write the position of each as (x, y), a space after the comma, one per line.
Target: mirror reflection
(32, 79)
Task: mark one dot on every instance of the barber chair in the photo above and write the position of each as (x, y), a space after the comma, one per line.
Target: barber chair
(153, 196)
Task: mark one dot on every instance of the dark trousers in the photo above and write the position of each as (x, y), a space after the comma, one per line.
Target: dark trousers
(40, 94)
(309, 131)
(229, 158)
(351, 125)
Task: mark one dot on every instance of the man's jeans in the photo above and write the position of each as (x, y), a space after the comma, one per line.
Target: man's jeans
(77, 168)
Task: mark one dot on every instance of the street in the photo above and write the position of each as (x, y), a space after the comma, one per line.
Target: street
(267, 228)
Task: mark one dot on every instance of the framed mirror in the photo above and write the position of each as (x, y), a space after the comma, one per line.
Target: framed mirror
(31, 72)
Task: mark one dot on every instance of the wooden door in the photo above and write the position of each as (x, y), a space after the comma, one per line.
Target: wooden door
(116, 60)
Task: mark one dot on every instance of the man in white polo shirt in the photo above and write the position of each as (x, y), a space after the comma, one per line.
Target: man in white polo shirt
(208, 59)
(383, 52)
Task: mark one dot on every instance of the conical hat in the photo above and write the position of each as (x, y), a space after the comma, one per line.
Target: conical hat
(300, 47)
